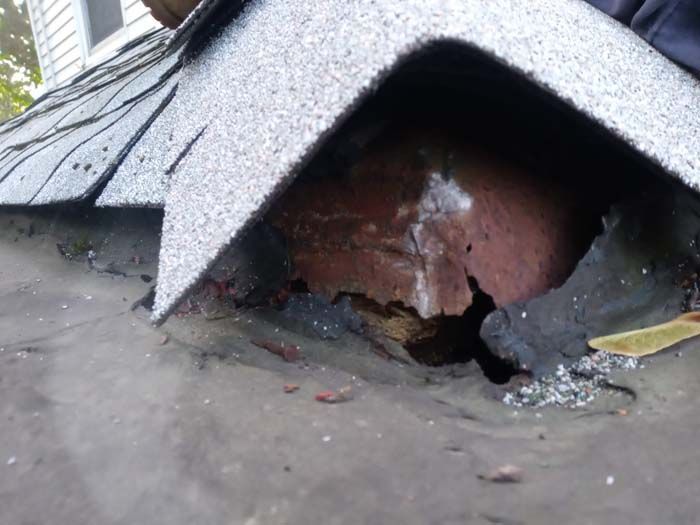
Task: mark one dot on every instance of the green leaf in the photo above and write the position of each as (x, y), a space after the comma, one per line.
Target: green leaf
(19, 68)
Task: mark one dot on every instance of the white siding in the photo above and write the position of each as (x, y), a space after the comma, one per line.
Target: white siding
(137, 18)
(57, 42)
(61, 39)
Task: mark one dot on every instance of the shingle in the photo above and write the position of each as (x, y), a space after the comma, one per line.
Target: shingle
(68, 144)
(143, 178)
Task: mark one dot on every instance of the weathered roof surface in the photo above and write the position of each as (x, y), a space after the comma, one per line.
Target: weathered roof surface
(71, 140)
(255, 103)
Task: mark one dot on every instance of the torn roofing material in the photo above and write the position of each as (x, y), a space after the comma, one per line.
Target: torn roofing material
(256, 101)
(67, 144)
(292, 71)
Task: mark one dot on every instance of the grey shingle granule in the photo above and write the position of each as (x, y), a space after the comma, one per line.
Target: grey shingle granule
(283, 76)
(574, 386)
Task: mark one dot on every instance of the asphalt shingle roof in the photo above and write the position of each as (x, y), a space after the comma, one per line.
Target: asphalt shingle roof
(70, 141)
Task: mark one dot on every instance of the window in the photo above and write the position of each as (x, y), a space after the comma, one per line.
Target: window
(103, 18)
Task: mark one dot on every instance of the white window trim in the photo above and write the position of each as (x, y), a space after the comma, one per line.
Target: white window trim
(91, 56)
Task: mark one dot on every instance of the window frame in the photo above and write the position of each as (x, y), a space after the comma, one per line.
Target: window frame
(91, 55)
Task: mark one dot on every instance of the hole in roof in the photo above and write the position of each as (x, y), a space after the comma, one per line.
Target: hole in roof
(338, 219)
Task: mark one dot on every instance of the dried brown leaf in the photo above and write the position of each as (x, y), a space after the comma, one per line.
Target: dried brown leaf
(331, 397)
(504, 474)
(650, 340)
